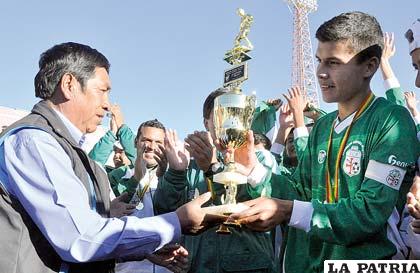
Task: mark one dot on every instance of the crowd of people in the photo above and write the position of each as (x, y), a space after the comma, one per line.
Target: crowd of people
(325, 186)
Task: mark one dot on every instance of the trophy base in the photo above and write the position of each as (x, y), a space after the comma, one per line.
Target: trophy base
(224, 227)
(225, 177)
(225, 210)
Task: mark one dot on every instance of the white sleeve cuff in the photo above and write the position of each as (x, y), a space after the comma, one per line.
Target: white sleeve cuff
(301, 215)
(257, 175)
(300, 132)
(417, 119)
(391, 83)
(277, 148)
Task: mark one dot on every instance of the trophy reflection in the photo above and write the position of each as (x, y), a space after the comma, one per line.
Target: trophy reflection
(232, 117)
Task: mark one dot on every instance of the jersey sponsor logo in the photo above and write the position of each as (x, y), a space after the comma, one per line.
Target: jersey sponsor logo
(393, 178)
(321, 156)
(353, 158)
(392, 159)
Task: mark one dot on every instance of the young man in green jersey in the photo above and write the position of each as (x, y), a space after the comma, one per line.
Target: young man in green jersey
(350, 184)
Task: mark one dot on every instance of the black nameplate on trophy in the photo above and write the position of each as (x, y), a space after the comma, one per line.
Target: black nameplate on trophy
(236, 73)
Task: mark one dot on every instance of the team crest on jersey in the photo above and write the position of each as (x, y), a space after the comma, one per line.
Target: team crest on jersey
(321, 156)
(393, 178)
(353, 154)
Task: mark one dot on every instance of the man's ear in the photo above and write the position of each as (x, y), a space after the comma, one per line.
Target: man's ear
(68, 85)
(205, 122)
(371, 66)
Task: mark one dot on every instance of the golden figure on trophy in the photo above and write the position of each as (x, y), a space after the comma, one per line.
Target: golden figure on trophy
(233, 113)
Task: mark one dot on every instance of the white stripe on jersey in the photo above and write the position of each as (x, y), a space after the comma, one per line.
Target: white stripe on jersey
(389, 175)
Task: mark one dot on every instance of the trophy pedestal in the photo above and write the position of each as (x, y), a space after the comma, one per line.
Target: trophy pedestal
(225, 210)
(230, 177)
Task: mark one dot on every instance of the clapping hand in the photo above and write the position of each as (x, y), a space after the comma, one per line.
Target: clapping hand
(201, 148)
(176, 154)
(160, 158)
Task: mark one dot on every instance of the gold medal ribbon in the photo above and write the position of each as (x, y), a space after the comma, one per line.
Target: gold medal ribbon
(142, 192)
(333, 198)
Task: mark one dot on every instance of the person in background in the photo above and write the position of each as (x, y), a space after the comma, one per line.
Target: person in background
(119, 139)
(413, 197)
(137, 185)
(262, 142)
(211, 252)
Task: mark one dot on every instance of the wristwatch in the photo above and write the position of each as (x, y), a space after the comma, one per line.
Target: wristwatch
(214, 168)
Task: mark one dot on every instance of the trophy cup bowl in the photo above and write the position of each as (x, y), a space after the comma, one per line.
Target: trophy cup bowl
(232, 117)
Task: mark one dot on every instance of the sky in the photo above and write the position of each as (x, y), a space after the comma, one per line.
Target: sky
(167, 56)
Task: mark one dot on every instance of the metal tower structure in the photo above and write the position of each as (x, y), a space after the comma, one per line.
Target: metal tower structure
(303, 69)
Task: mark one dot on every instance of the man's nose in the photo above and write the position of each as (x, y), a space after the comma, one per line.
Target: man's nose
(106, 105)
(153, 145)
(321, 72)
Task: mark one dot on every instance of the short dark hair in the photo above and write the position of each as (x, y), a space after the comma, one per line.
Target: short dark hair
(261, 138)
(362, 31)
(73, 58)
(208, 105)
(150, 123)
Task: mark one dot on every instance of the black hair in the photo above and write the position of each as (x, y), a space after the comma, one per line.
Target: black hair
(208, 105)
(150, 123)
(362, 32)
(261, 138)
(76, 59)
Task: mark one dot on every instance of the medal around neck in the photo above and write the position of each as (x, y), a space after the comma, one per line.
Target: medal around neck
(233, 113)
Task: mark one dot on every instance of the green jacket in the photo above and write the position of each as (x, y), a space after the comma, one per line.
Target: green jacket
(103, 148)
(395, 95)
(264, 118)
(119, 184)
(209, 252)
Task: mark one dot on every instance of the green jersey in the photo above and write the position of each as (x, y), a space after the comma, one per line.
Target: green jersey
(371, 188)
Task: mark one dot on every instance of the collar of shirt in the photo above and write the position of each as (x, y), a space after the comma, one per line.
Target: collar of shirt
(77, 135)
(148, 178)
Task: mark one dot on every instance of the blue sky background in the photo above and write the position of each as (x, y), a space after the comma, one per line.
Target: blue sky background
(166, 56)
